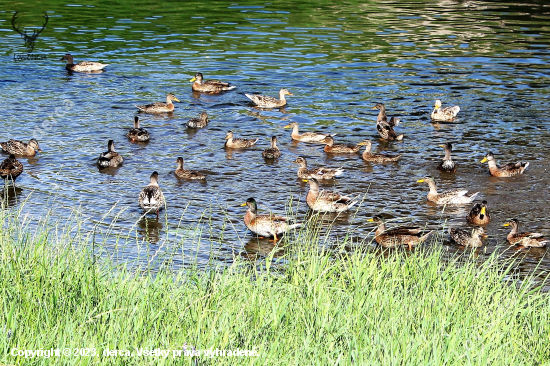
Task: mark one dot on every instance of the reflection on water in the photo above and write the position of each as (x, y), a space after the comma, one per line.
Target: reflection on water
(490, 58)
(10, 195)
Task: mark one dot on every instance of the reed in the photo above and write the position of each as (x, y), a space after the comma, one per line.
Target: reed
(313, 306)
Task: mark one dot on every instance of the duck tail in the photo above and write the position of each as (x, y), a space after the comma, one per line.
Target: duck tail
(524, 164)
(231, 87)
(473, 196)
(425, 236)
(400, 137)
(338, 171)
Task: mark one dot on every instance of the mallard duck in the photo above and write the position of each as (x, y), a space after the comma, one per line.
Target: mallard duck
(266, 225)
(151, 198)
(238, 143)
(339, 148)
(327, 201)
(209, 86)
(273, 152)
(396, 237)
(200, 122)
(264, 101)
(479, 214)
(21, 148)
(450, 197)
(187, 174)
(467, 237)
(376, 158)
(110, 158)
(84, 66)
(317, 173)
(447, 164)
(159, 107)
(508, 170)
(444, 114)
(385, 127)
(306, 136)
(11, 168)
(535, 240)
(137, 133)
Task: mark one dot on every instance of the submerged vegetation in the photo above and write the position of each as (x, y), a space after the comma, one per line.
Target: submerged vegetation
(312, 305)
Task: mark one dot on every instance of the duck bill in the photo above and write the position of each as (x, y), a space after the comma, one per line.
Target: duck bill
(484, 160)
(244, 204)
(304, 180)
(374, 108)
(507, 224)
(176, 99)
(194, 79)
(420, 181)
(483, 211)
(370, 220)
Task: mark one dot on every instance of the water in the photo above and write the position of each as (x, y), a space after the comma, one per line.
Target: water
(491, 58)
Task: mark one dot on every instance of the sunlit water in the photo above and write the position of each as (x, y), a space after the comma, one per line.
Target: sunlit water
(491, 58)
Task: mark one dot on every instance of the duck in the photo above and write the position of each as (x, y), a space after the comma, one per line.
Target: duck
(340, 148)
(21, 148)
(396, 237)
(444, 114)
(376, 158)
(533, 240)
(185, 173)
(200, 122)
(11, 168)
(317, 173)
(238, 143)
(83, 66)
(273, 152)
(447, 164)
(479, 214)
(264, 101)
(327, 201)
(151, 199)
(159, 107)
(449, 197)
(110, 158)
(508, 170)
(306, 136)
(266, 225)
(468, 237)
(209, 86)
(137, 133)
(385, 126)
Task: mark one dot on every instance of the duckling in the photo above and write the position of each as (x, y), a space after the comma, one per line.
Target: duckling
(467, 238)
(84, 66)
(11, 168)
(534, 240)
(110, 158)
(264, 101)
(187, 174)
(21, 148)
(396, 237)
(209, 86)
(376, 158)
(444, 114)
(159, 107)
(306, 136)
(266, 225)
(385, 127)
(340, 148)
(447, 164)
(137, 133)
(200, 122)
(238, 143)
(317, 173)
(449, 197)
(273, 152)
(151, 198)
(479, 214)
(327, 201)
(508, 170)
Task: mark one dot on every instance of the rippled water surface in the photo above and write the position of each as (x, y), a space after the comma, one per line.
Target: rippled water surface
(338, 60)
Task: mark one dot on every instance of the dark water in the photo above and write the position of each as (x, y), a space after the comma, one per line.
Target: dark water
(490, 58)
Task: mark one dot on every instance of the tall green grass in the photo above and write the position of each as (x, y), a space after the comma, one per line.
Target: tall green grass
(317, 307)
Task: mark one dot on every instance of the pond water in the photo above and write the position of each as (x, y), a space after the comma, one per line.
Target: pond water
(489, 57)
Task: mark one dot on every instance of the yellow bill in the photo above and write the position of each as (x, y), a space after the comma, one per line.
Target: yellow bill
(420, 181)
(370, 220)
(194, 79)
(484, 160)
(507, 224)
(483, 211)
(244, 204)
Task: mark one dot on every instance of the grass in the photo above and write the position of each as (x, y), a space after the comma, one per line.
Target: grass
(319, 307)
